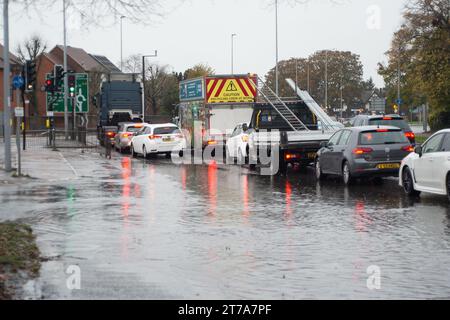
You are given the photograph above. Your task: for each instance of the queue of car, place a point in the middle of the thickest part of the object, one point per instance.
(373, 148)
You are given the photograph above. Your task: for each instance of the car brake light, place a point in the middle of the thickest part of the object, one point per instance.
(359, 151)
(408, 149)
(110, 134)
(387, 118)
(212, 142)
(127, 135)
(410, 135)
(382, 130)
(153, 137)
(290, 156)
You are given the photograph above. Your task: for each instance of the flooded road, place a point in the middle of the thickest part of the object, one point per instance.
(153, 230)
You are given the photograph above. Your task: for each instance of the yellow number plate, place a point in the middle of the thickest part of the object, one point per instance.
(389, 166)
(312, 155)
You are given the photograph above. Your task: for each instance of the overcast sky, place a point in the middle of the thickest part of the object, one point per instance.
(200, 31)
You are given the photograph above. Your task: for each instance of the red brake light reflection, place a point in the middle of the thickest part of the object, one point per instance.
(408, 149)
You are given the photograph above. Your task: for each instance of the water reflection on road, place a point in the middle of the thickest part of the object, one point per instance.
(156, 230)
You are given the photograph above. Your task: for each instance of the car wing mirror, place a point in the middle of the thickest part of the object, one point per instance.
(419, 150)
(245, 127)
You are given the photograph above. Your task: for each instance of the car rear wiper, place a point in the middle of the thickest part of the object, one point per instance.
(390, 142)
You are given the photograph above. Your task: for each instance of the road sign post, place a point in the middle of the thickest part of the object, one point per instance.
(81, 97)
(19, 113)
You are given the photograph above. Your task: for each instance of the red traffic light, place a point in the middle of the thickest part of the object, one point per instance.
(49, 82)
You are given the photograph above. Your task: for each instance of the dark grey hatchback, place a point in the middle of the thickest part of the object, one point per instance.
(371, 151)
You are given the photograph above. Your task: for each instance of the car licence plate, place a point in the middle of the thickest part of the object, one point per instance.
(389, 166)
(167, 139)
(312, 155)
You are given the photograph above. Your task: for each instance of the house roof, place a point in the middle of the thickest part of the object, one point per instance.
(88, 62)
(106, 63)
(14, 60)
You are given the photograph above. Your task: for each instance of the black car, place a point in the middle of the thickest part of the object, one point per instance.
(393, 120)
(371, 151)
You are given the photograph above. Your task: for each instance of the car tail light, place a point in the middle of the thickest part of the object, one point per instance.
(410, 135)
(359, 151)
(290, 156)
(127, 135)
(408, 149)
(212, 142)
(382, 130)
(110, 134)
(153, 137)
(387, 118)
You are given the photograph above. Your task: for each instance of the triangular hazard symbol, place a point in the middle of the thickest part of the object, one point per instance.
(232, 87)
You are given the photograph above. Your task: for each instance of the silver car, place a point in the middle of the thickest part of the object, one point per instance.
(125, 134)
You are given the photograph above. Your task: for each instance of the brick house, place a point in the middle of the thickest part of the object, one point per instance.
(16, 69)
(79, 61)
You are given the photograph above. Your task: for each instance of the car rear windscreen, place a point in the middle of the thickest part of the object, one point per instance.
(133, 129)
(382, 137)
(166, 130)
(398, 123)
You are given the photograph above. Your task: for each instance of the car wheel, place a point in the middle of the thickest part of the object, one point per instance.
(133, 153)
(408, 183)
(346, 174)
(241, 159)
(144, 152)
(448, 186)
(319, 173)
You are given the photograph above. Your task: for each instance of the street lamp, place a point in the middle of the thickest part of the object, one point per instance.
(232, 52)
(276, 47)
(143, 80)
(121, 42)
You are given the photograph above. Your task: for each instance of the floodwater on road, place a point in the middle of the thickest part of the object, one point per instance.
(153, 230)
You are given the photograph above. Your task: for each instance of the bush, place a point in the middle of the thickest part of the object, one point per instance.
(440, 120)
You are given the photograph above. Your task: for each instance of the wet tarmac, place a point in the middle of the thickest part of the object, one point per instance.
(153, 230)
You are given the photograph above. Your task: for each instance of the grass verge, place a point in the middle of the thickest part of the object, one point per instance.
(18, 253)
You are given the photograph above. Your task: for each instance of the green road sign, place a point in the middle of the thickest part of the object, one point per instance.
(81, 96)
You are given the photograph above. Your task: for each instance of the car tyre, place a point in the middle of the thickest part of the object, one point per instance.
(346, 174)
(319, 174)
(144, 152)
(448, 186)
(408, 183)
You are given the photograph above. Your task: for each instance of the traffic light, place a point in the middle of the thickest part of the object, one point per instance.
(58, 73)
(50, 85)
(30, 75)
(72, 83)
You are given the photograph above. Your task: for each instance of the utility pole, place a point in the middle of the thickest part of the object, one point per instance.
(296, 76)
(308, 80)
(66, 70)
(232, 53)
(143, 80)
(276, 48)
(326, 80)
(121, 42)
(399, 96)
(6, 87)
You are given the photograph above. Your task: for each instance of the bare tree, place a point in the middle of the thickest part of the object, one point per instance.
(31, 48)
(133, 64)
(94, 12)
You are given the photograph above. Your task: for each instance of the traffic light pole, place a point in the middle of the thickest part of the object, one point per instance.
(6, 87)
(66, 86)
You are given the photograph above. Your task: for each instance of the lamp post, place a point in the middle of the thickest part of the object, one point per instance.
(66, 70)
(276, 48)
(232, 52)
(143, 80)
(6, 87)
(121, 42)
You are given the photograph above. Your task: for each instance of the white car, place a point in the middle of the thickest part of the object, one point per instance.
(158, 139)
(428, 168)
(238, 142)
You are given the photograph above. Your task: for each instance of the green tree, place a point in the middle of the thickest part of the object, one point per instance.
(343, 69)
(420, 49)
(199, 70)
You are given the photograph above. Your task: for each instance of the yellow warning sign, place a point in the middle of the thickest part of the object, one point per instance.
(230, 90)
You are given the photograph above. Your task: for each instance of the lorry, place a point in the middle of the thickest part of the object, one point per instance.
(297, 128)
(119, 101)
